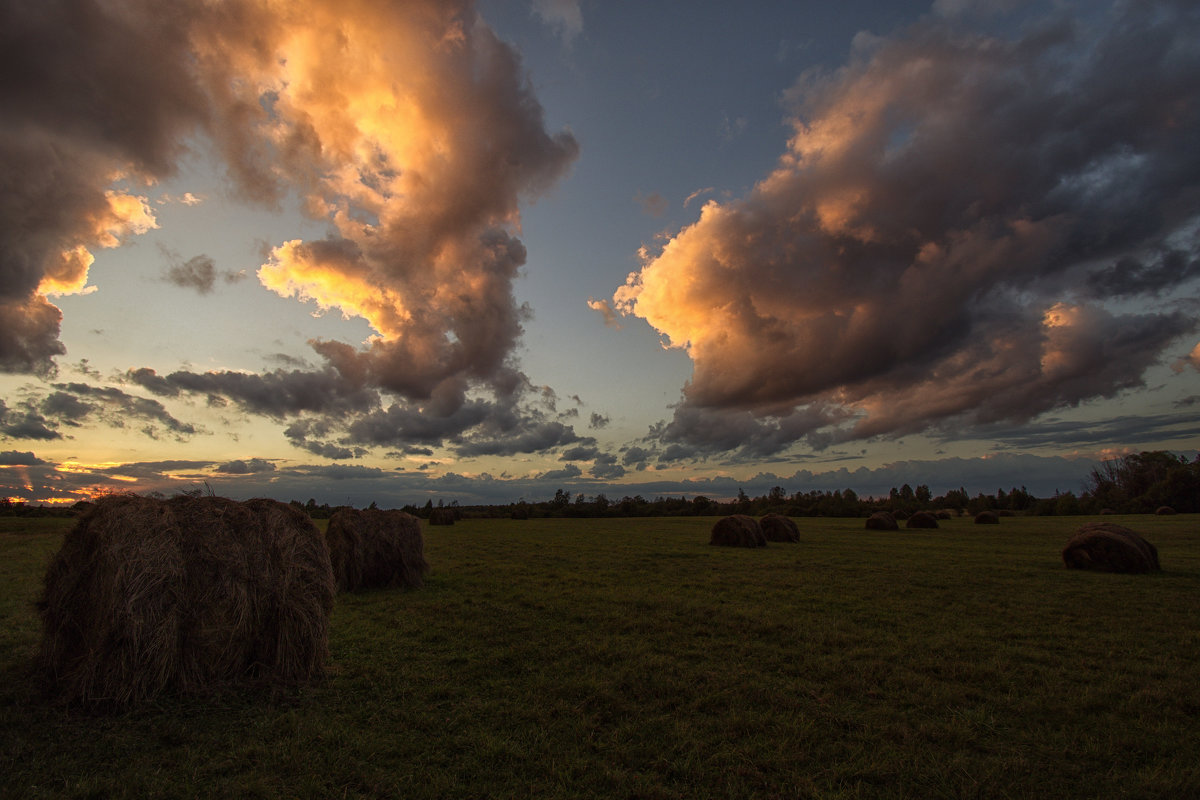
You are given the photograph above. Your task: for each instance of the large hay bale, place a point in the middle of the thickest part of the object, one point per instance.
(148, 597)
(921, 519)
(882, 521)
(987, 518)
(738, 530)
(374, 548)
(778, 528)
(1109, 547)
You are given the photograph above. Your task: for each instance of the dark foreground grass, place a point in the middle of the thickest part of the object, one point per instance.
(627, 658)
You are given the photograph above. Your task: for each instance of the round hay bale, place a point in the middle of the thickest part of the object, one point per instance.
(737, 530)
(1106, 511)
(149, 597)
(441, 516)
(778, 528)
(882, 521)
(374, 548)
(987, 518)
(921, 519)
(1108, 547)
(943, 514)
(1164, 511)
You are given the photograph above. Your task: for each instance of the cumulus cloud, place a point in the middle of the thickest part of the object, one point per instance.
(93, 95)
(939, 241)
(411, 128)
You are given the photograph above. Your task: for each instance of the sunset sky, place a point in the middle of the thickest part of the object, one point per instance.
(359, 250)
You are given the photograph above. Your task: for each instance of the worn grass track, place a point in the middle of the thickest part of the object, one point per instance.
(627, 658)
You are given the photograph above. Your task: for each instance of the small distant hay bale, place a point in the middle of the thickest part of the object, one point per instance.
(778, 528)
(738, 530)
(373, 548)
(150, 597)
(1108, 547)
(987, 518)
(1164, 511)
(943, 514)
(1106, 511)
(882, 521)
(921, 519)
(441, 516)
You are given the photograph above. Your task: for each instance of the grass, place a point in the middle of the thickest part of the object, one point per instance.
(627, 658)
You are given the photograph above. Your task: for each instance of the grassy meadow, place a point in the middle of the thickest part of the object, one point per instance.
(628, 658)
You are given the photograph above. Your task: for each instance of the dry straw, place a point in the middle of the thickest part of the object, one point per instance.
(778, 528)
(737, 530)
(882, 521)
(987, 518)
(1109, 547)
(373, 548)
(921, 519)
(150, 596)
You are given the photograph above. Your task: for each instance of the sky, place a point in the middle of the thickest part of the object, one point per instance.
(366, 251)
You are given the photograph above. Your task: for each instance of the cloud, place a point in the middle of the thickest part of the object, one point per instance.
(411, 128)
(276, 394)
(250, 466)
(93, 95)
(566, 473)
(598, 421)
(653, 204)
(942, 238)
(200, 273)
(696, 195)
(11, 458)
(605, 310)
(43, 416)
(563, 16)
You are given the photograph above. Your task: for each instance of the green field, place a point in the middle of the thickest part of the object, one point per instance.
(627, 658)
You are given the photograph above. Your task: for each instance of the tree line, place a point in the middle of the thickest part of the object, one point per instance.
(1134, 484)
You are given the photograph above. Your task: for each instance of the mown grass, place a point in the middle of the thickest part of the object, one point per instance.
(627, 658)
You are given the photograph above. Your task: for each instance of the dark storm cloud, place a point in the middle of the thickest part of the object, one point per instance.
(940, 240)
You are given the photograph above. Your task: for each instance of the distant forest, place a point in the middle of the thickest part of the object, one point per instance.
(1135, 484)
